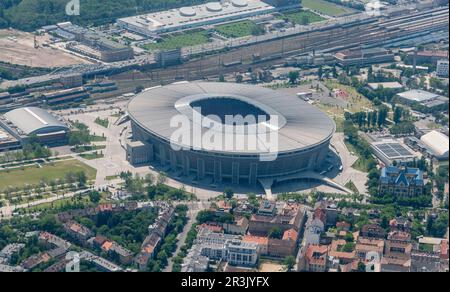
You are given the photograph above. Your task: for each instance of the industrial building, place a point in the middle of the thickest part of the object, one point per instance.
(424, 98)
(94, 44)
(7, 141)
(31, 122)
(152, 24)
(63, 96)
(362, 57)
(303, 132)
(390, 151)
(437, 144)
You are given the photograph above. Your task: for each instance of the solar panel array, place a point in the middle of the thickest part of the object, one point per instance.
(393, 150)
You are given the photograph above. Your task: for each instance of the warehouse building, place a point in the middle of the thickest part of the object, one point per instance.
(389, 151)
(32, 122)
(437, 144)
(95, 44)
(190, 17)
(424, 98)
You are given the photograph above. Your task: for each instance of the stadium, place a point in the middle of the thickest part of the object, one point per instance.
(303, 132)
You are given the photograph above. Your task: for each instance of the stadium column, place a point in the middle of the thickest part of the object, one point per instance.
(173, 160)
(217, 171)
(162, 155)
(253, 174)
(186, 166)
(151, 153)
(200, 169)
(235, 173)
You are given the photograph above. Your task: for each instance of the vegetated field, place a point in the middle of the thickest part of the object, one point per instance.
(33, 175)
(237, 29)
(174, 41)
(327, 8)
(355, 101)
(302, 17)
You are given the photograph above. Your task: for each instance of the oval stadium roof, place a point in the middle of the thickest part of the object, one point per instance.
(34, 121)
(305, 126)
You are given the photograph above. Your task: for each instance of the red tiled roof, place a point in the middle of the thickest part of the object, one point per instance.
(290, 234)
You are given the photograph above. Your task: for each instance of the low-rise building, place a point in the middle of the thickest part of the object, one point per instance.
(424, 98)
(442, 68)
(372, 231)
(239, 226)
(78, 232)
(316, 258)
(364, 57)
(290, 216)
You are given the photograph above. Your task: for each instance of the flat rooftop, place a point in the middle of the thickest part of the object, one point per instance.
(188, 16)
(390, 85)
(393, 150)
(419, 95)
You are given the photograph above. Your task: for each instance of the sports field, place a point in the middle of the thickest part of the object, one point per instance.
(33, 175)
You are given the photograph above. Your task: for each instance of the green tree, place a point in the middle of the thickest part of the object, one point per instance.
(289, 263)
(228, 193)
(293, 76)
(275, 232)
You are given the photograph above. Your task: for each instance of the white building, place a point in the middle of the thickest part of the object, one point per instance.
(442, 68)
(437, 143)
(152, 24)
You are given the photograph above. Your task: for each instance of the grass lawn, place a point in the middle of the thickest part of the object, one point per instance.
(237, 29)
(33, 175)
(180, 40)
(102, 122)
(301, 17)
(91, 156)
(351, 186)
(361, 164)
(327, 8)
(95, 138)
(84, 148)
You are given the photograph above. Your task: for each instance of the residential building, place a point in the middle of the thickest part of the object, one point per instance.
(397, 252)
(290, 216)
(316, 258)
(374, 231)
(366, 246)
(400, 224)
(442, 68)
(262, 241)
(239, 226)
(9, 250)
(78, 232)
(286, 246)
